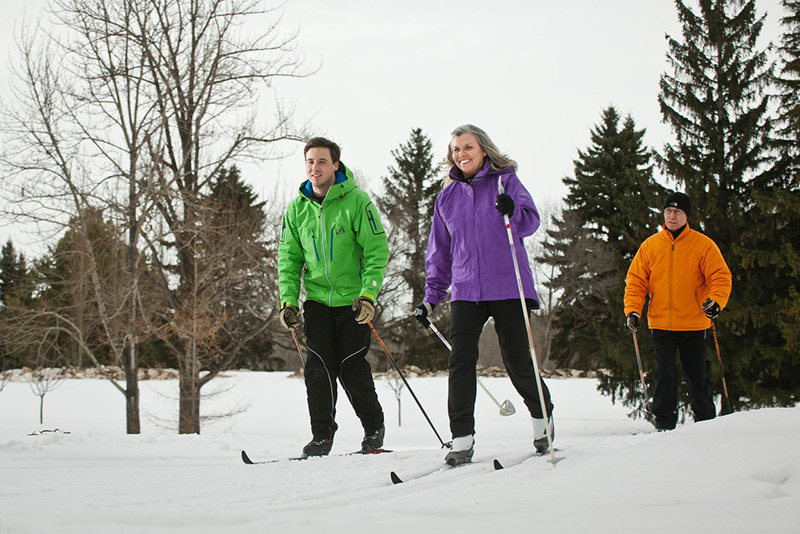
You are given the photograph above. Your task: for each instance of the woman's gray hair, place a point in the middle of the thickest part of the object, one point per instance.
(497, 159)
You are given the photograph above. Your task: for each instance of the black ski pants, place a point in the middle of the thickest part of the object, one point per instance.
(466, 324)
(691, 346)
(337, 349)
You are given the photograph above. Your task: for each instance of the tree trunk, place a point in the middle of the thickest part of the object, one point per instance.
(132, 390)
(189, 403)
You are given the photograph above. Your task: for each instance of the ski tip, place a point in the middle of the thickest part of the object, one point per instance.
(497, 465)
(395, 479)
(246, 459)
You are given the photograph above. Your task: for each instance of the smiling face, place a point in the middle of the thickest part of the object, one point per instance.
(674, 218)
(467, 154)
(321, 170)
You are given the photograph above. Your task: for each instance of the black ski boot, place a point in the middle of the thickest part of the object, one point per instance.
(318, 447)
(373, 440)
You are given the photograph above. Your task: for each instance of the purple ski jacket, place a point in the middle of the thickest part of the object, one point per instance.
(468, 248)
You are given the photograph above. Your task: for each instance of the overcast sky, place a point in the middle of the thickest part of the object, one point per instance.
(534, 74)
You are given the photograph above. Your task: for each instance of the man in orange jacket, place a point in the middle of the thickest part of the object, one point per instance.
(688, 283)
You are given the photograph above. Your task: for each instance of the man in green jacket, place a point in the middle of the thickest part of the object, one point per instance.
(332, 239)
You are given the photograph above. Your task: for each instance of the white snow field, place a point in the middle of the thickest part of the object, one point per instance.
(738, 473)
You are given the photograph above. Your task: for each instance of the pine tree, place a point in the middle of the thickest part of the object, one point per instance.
(236, 264)
(608, 213)
(13, 270)
(788, 83)
(786, 206)
(406, 206)
(716, 102)
(16, 289)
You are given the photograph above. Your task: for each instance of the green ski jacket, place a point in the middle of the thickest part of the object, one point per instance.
(339, 248)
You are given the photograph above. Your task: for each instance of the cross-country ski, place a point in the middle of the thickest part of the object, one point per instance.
(246, 458)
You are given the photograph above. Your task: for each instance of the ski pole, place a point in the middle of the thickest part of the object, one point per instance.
(641, 373)
(726, 401)
(506, 408)
(297, 344)
(397, 368)
(547, 432)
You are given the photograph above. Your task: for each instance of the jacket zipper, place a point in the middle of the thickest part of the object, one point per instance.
(671, 263)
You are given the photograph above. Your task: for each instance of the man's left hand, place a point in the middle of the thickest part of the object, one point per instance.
(364, 309)
(711, 309)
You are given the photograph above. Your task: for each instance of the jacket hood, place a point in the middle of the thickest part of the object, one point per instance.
(344, 179)
(455, 174)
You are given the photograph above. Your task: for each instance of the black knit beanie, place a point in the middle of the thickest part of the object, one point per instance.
(679, 200)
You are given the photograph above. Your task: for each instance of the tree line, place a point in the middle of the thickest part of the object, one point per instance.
(124, 140)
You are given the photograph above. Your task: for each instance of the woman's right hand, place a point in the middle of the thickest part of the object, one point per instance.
(421, 313)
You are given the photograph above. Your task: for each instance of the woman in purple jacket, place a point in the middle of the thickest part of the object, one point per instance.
(468, 253)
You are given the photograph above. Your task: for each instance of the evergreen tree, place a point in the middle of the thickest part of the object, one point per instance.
(785, 204)
(716, 103)
(788, 83)
(15, 290)
(238, 263)
(66, 287)
(715, 99)
(406, 207)
(608, 213)
(13, 270)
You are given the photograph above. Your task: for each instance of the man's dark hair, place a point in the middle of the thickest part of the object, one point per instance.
(321, 142)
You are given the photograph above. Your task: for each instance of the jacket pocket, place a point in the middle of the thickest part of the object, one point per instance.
(314, 241)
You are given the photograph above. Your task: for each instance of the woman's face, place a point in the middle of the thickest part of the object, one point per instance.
(467, 154)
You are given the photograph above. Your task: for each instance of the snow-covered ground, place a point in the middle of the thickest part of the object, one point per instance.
(738, 473)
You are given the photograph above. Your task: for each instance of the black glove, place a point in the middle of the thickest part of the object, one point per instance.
(289, 318)
(421, 313)
(364, 309)
(711, 309)
(632, 321)
(504, 204)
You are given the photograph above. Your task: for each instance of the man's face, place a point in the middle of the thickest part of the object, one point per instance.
(674, 218)
(321, 171)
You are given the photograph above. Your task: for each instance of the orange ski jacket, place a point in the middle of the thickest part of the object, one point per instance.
(677, 275)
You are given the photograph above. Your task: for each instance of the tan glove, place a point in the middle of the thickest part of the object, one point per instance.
(289, 318)
(364, 309)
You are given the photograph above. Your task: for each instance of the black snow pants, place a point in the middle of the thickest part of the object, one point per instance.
(691, 345)
(337, 349)
(466, 323)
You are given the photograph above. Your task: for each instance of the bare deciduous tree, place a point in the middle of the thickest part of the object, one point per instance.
(48, 376)
(202, 72)
(131, 110)
(543, 274)
(65, 164)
